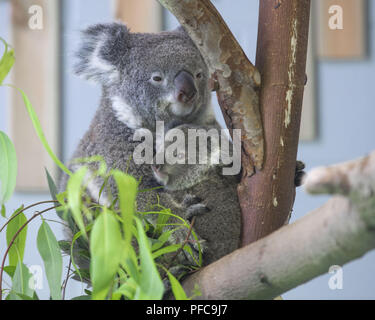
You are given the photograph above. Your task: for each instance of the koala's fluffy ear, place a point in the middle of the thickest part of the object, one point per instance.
(101, 51)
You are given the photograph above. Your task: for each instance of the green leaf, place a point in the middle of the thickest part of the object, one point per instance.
(162, 240)
(6, 62)
(49, 250)
(127, 289)
(150, 284)
(127, 187)
(106, 248)
(21, 282)
(130, 264)
(75, 197)
(177, 289)
(3, 211)
(8, 168)
(10, 270)
(165, 250)
(17, 250)
(38, 129)
(81, 244)
(52, 186)
(162, 220)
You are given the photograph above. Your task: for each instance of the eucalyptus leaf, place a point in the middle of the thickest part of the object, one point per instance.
(6, 62)
(106, 248)
(39, 131)
(52, 186)
(49, 250)
(127, 187)
(165, 250)
(150, 284)
(17, 249)
(10, 270)
(8, 168)
(75, 197)
(21, 282)
(177, 289)
(127, 289)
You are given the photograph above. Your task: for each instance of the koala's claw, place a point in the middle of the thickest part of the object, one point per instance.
(190, 200)
(196, 210)
(299, 173)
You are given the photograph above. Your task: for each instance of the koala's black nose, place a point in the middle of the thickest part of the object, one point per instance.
(185, 89)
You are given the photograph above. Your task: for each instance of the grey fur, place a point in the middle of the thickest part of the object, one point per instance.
(123, 63)
(220, 225)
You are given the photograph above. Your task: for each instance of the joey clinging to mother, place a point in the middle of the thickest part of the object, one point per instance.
(144, 78)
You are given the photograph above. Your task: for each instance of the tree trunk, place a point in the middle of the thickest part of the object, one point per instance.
(267, 197)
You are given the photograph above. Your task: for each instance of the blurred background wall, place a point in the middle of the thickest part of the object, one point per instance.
(344, 102)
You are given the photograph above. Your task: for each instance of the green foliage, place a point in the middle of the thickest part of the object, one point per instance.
(8, 168)
(17, 250)
(6, 62)
(123, 248)
(150, 285)
(49, 250)
(106, 248)
(21, 283)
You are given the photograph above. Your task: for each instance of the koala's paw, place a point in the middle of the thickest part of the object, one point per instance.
(190, 200)
(194, 207)
(300, 166)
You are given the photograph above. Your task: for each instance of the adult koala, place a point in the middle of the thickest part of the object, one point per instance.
(145, 78)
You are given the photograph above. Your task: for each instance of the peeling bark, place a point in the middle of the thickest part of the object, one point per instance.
(294, 254)
(238, 80)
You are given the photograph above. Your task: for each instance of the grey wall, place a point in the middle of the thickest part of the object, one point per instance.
(346, 114)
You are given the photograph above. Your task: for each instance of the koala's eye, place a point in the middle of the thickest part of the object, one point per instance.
(157, 78)
(198, 75)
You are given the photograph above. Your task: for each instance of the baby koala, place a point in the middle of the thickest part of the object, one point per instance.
(209, 195)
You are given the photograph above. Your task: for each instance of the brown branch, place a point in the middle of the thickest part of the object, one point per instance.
(295, 254)
(267, 198)
(238, 80)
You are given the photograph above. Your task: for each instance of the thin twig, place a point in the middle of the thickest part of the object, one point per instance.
(67, 278)
(14, 238)
(184, 243)
(18, 213)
